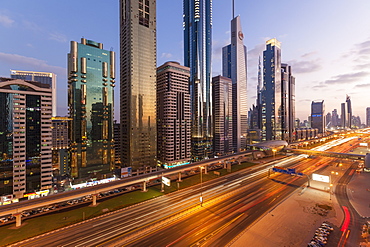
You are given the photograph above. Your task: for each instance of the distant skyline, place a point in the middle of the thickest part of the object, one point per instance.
(326, 42)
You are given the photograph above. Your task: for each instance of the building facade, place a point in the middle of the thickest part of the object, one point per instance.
(25, 137)
(138, 83)
(197, 24)
(271, 93)
(42, 77)
(343, 115)
(222, 115)
(91, 74)
(349, 112)
(287, 112)
(367, 116)
(317, 116)
(173, 115)
(117, 143)
(234, 63)
(60, 145)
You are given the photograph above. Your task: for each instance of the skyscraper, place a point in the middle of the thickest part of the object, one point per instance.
(25, 137)
(349, 112)
(43, 77)
(222, 115)
(368, 117)
(234, 58)
(91, 74)
(271, 93)
(138, 83)
(317, 116)
(287, 102)
(334, 118)
(173, 115)
(343, 115)
(197, 25)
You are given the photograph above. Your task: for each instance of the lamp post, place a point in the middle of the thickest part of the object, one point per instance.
(201, 184)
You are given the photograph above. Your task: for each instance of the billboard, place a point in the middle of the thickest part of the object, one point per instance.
(126, 172)
(166, 181)
(320, 178)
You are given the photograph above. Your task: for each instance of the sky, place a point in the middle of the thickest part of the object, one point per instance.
(327, 43)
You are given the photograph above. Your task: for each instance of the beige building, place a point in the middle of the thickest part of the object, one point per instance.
(173, 115)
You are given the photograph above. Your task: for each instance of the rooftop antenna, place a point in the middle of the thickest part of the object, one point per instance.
(233, 9)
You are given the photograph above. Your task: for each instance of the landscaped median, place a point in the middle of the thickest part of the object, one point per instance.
(62, 217)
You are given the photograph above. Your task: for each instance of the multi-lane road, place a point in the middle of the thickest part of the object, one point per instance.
(230, 205)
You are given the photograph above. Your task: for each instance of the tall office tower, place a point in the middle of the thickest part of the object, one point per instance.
(91, 73)
(222, 115)
(343, 115)
(259, 97)
(117, 143)
(60, 145)
(334, 118)
(234, 63)
(328, 120)
(271, 93)
(349, 112)
(197, 24)
(287, 102)
(173, 115)
(368, 117)
(317, 116)
(25, 137)
(138, 83)
(43, 77)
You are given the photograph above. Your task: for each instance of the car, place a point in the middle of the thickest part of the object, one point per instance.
(70, 202)
(3, 220)
(25, 214)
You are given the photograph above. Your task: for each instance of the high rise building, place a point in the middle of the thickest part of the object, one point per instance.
(328, 120)
(25, 137)
(287, 111)
(91, 74)
(234, 58)
(271, 93)
(60, 145)
(222, 115)
(368, 117)
(349, 112)
(117, 143)
(173, 115)
(197, 23)
(317, 116)
(334, 118)
(343, 116)
(43, 77)
(138, 83)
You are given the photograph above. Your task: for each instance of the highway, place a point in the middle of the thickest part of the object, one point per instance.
(230, 205)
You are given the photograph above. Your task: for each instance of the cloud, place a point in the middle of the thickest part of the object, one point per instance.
(347, 78)
(360, 54)
(31, 26)
(6, 21)
(309, 54)
(166, 55)
(362, 85)
(58, 37)
(300, 67)
(319, 87)
(29, 63)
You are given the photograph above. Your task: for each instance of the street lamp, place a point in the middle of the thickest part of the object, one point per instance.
(201, 188)
(273, 152)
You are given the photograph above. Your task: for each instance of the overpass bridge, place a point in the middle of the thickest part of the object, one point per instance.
(17, 208)
(325, 153)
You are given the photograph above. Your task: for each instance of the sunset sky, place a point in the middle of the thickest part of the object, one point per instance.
(327, 43)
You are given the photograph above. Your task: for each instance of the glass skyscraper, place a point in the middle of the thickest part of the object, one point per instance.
(317, 116)
(197, 24)
(91, 74)
(138, 83)
(271, 92)
(234, 63)
(43, 77)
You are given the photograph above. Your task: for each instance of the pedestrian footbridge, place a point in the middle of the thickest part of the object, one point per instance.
(327, 154)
